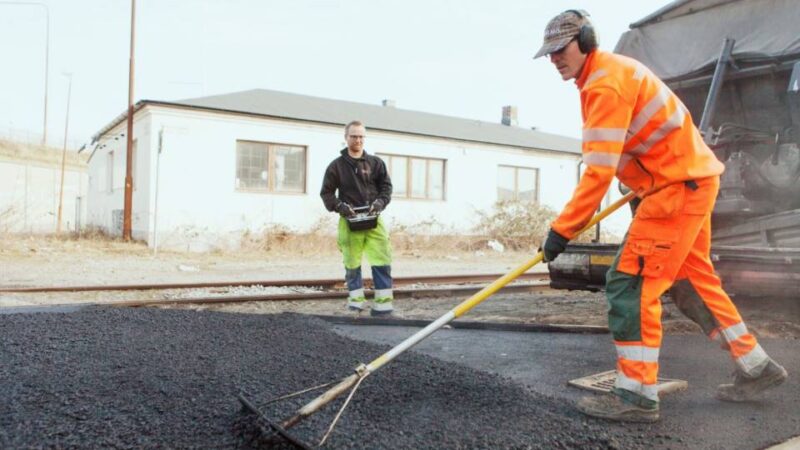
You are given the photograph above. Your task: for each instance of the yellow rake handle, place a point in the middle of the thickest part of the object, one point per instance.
(484, 293)
(498, 284)
(364, 370)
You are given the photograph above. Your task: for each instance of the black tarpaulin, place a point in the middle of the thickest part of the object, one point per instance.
(685, 38)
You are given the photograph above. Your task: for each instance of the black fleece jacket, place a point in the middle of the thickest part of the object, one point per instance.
(359, 181)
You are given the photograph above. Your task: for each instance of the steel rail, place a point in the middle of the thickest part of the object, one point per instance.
(303, 296)
(331, 295)
(325, 283)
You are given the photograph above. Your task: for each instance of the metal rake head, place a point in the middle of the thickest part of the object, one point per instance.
(271, 431)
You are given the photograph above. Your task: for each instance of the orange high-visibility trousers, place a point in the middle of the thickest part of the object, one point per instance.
(669, 241)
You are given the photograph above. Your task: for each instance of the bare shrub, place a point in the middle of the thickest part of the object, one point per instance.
(523, 225)
(516, 224)
(94, 233)
(432, 237)
(280, 239)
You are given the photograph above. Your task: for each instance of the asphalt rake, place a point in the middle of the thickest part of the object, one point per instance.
(273, 431)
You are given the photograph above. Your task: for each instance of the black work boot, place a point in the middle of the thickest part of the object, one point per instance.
(613, 407)
(745, 388)
(382, 307)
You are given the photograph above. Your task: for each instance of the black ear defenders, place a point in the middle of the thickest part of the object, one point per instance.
(587, 38)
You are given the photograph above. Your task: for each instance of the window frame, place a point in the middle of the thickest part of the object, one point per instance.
(270, 188)
(410, 176)
(537, 185)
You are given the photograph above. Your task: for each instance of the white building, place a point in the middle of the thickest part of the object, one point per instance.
(31, 189)
(208, 169)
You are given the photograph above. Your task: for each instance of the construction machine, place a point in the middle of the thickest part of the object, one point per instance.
(735, 64)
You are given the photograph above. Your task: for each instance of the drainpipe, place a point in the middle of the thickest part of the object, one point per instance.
(155, 207)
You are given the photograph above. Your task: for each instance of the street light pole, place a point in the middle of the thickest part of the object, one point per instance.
(64, 157)
(46, 58)
(128, 205)
(47, 73)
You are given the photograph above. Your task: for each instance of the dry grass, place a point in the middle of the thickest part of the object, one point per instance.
(425, 238)
(282, 240)
(274, 242)
(517, 226)
(88, 243)
(38, 153)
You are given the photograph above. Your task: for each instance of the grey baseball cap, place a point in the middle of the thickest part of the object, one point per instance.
(560, 31)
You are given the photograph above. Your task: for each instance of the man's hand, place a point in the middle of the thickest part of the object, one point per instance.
(376, 207)
(345, 209)
(553, 245)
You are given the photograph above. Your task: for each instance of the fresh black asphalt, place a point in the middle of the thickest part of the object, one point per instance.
(544, 362)
(146, 378)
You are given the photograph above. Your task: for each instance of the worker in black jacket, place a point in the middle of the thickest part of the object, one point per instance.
(362, 181)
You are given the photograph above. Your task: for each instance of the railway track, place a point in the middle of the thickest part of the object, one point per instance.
(323, 283)
(329, 289)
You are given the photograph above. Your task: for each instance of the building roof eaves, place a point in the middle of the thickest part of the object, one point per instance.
(380, 118)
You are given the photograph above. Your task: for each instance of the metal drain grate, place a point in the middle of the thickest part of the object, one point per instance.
(604, 381)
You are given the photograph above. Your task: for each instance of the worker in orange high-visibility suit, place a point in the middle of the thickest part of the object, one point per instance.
(634, 127)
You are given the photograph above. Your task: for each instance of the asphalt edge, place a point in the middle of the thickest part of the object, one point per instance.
(465, 325)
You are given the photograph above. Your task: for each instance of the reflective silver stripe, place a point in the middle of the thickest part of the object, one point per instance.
(383, 293)
(650, 109)
(752, 360)
(640, 71)
(638, 353)
(649, 391)
(673, 123)
(385, 306)
(358, 293)
(604, 135)
(734, 332)
(595, 75)
(601, 159)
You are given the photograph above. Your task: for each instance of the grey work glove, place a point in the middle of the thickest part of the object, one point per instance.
(345, 210)
(376, 207)
(553, 245)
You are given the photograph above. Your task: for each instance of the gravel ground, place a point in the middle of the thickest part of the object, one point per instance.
(52, 262)
(148, 378)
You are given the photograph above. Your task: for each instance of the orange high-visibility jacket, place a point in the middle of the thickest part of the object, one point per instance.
(634, 127)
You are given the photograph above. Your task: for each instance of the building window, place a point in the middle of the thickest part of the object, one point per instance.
(518, 183)
(415, 178)
(268, 167)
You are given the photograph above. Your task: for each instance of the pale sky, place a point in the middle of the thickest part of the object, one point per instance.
(465, 58)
